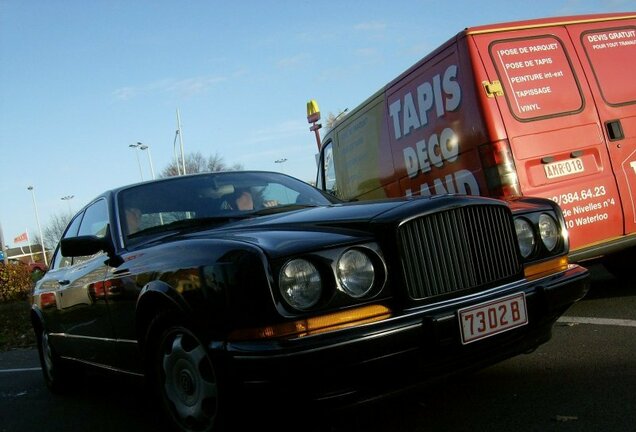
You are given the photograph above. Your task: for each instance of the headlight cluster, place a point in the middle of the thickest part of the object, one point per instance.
(302, 286)
(530, 232)
(355, 273)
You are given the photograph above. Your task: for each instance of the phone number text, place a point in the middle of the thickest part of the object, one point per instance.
(582, 195)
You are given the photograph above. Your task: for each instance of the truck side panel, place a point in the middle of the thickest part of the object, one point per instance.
(357, 146)
(435, 126)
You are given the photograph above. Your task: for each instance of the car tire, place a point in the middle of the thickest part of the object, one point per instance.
(186, 381)
(56, 373)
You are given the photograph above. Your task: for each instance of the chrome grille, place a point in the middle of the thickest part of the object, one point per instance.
(458, 249)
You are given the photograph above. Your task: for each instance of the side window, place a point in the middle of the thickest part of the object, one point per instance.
(95, 223)
(537, 77)
(328, 184)
(59, 260)
(603, 49)
(95, 220)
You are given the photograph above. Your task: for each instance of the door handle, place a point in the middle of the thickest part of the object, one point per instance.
(64, 282)
(614, 130)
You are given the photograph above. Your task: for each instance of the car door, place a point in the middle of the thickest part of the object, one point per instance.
(607, 51)
(51, 287)
(84, 318)
(554, 129)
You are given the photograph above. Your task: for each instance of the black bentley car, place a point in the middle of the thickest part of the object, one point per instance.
(218, 285)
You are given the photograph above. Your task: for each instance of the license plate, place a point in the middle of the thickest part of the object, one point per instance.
(493, 317)
(564, 168)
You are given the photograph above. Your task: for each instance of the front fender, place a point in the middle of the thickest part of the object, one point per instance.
(157, 299)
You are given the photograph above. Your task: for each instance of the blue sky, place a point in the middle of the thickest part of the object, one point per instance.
(81, 80)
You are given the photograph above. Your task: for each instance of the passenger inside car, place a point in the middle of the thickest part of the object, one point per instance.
(242, 199)
(133, 219)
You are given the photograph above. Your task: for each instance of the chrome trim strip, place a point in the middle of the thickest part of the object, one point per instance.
(103, 366)
(72, 336)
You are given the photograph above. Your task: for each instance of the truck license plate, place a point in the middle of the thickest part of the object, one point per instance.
(493, 317)
(564, 168)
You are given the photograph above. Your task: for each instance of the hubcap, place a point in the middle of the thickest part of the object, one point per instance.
(190, 383)
(187, 384)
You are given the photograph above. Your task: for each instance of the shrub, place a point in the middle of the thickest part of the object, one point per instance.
(15, 326)
(15, 282)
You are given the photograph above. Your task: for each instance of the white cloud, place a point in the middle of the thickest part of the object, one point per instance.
(370, 26)
(278, 132)
(367, 52)
(193, 86)
(294, 61)
(187, 87)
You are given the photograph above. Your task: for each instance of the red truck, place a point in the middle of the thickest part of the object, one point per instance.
(537, 108)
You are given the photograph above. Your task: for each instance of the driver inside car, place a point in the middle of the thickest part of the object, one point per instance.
(242, 199)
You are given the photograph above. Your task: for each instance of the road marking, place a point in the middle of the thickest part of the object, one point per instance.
(598, 321)
(20, 370)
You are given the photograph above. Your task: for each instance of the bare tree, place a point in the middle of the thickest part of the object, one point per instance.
(331, 119)
(197, 163)
(216, 163)
(55, 228)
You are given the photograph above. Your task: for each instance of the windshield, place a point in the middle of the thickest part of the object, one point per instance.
(206, 199)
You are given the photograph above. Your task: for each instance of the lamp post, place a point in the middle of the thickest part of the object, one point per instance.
(147, 147)
(68, 199)
(37, 219)
(135, 146)
(183, 163)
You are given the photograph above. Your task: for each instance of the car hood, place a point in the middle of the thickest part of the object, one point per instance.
(323, 227)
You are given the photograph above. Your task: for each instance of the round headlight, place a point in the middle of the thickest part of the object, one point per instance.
(525, 237)
(549, 231)
(355, 273)
(299, 283)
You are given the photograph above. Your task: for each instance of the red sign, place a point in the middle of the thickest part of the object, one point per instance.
(21, 238)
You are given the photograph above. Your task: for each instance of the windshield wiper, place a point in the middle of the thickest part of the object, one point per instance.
(281, 209)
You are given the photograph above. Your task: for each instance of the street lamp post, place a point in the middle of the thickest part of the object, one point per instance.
(135, 146)
(147, 147)
(68, 199)
(183, 163)
(37, 219)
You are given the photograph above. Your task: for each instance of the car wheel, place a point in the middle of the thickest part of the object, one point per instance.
(55, 373)
(186, 380)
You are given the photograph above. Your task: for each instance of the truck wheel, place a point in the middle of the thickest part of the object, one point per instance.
(186, 381)
(621, 264)
(56, 374)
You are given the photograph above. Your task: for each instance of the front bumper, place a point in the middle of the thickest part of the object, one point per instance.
(414, 347)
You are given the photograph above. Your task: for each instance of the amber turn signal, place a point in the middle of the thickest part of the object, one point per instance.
(317, 324)
(534, 271)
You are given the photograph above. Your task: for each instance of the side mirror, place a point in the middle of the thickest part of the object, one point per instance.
(85, 245)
